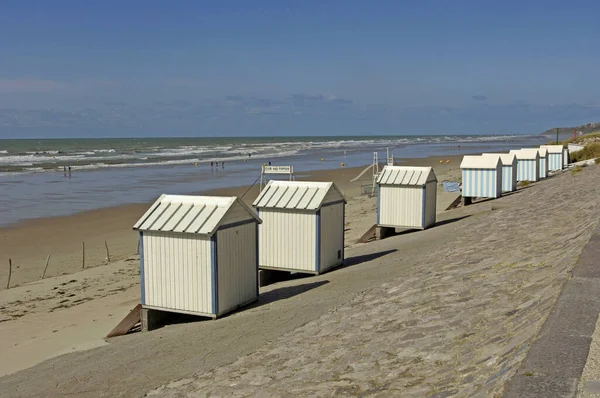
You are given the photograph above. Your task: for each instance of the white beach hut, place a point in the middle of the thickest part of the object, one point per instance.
(303, 226)
(575, 147)
(198, 255)
(527, 165)
(543, 161)
(481, 176)
(509, 170)
(406, 197)
(555, 157)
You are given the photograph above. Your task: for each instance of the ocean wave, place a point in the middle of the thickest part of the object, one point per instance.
(15, 160)
(174, 162)
(90, 158)
(43, 152)
(3, 152)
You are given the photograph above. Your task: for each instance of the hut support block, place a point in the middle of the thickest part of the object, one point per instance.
(467, 201)
(152, 319)
(384, 232)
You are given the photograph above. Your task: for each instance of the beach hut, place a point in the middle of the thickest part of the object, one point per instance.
(198, 255)
(566, 159)
(555, 157)
(509, 170)
(406, 197)
(303, 226)
(527, 165)
(575, 147)
(481, 176)
(543, 161)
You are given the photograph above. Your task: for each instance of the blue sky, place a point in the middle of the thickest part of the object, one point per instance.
(156, 68)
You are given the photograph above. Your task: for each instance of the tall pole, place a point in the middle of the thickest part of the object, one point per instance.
(557, 136)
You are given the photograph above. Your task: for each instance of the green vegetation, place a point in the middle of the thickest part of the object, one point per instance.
(525, 183)
(597, 161)
(577, 169)
(590, 151)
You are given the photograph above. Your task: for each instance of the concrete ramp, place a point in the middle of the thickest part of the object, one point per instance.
(368, 236)
(128, 323)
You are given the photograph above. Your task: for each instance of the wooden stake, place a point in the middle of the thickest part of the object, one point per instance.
(107, 253)
(138, 249)
(46, 267)
(9, 272)
(83, 257)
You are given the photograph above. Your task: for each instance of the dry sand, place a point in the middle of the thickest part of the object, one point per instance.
(446, 311)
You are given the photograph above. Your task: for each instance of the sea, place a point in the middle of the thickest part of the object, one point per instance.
(56, 177)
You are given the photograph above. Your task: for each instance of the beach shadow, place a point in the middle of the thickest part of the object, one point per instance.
(283, 293)
(268, 277)
(511, 193)
(286, 292)
(449, 221)
(437, 224)
(356, 260)
(484, 200)
(175, 318)
(401, 232)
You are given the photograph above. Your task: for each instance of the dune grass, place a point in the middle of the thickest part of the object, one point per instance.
(590, 151)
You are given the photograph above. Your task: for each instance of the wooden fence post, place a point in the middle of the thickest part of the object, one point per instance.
(107, 252)
(46, 267)
(9, 273)
(83, 256)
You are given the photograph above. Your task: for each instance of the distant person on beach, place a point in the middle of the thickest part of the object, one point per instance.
(223, 164)
(269, 162)
(249, 155)
(212, 165)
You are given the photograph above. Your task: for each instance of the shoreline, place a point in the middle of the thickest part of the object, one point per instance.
(40, 195)
(47, 155)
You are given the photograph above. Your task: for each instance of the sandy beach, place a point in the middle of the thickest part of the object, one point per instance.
(74, 308)
(30, 242)
(473, 290)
